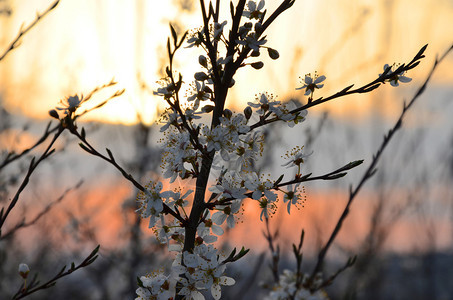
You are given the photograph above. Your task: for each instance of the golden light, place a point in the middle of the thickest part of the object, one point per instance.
(84, 44)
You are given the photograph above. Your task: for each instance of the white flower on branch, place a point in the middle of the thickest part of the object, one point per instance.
(310, 83)
(170, 117)
(254, 11)
(195, 38)
(178, 151)
(167, 89)
(189, 290)
(267, 208)
(287, 288)
(265, 102)
(227, 212)
(199, 91)
(203, 270)
(293, 196)
(292, 118)
(176, 199)
(70, 104)
(252, 41)
(205, 228)
(151, 202)
(396, 77)
(215, 140)
(155, 286)
(259, 188)
(248, 150)
(218, 30)
(295, 158)
(234, 126)
(229, 187)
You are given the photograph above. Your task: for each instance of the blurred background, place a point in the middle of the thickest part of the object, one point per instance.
(400, 226)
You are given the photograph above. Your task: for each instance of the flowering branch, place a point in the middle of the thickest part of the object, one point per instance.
(387, 76)
(10, 157)
(371, 170)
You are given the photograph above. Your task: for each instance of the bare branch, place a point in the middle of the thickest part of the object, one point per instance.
(34, 287)
(16, 42)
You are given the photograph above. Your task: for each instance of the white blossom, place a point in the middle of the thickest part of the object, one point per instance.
(151, 202)
(310, 83)
(252, 42)
(227, 212)
(396, 77)
(259, 188)
(70, 104)
(155, 286)
(229, 187)
(286, 288)
(265, 102)
(254, 11)
(234, 126)
(178, 150)
(203, 270)
(295, 158)
(292, 196)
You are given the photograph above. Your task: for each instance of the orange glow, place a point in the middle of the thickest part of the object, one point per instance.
(102, 205)
(84, 44)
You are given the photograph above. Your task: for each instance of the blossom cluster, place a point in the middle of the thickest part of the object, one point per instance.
(234, 144)
(238, 148)
(288, 287)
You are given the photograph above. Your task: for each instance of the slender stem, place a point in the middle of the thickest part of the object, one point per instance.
(16, 42)
(31, 169)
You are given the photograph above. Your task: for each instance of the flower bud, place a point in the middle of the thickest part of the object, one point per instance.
(255, 53)
(207, 89)
(207, 108)
(24, 270)
(227, 113)
(273, 53)
(203, 61)
(53, 113)
(257, 65)
(201, 76)
(258, 26)
(248, 25)
(248, 112)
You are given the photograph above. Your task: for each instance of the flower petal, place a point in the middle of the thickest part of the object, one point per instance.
(216, 291)
(320, 79)
(404, 78)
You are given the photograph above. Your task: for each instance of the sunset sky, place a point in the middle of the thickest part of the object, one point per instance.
(83, 44)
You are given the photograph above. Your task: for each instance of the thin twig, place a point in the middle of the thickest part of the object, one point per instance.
(24, 224)
(16, 42)
(49, 151)
(33, 287)
(85, 145)
(275, 253)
